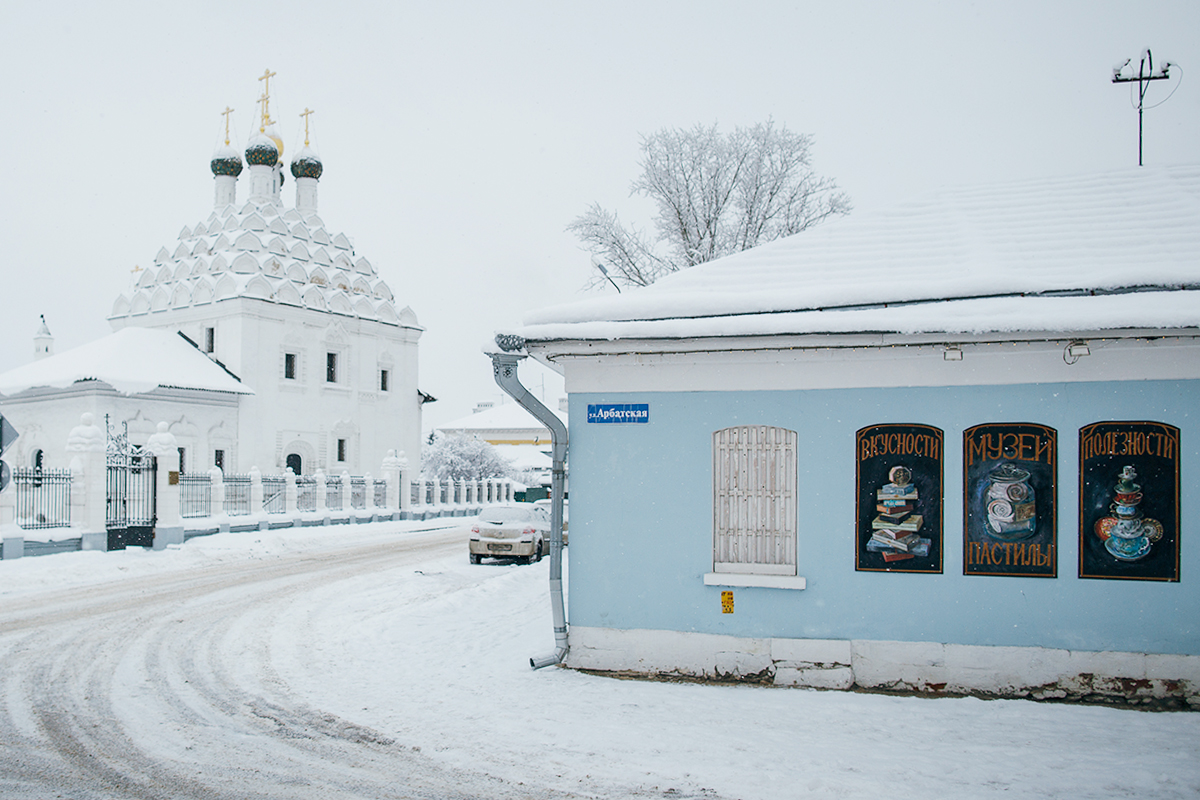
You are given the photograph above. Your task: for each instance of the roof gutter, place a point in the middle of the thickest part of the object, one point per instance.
(504, 370)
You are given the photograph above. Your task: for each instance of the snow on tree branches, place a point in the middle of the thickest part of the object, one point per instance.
(461, 457)
(716, 194)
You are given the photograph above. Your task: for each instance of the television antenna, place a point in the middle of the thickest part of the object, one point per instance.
(1144, 75)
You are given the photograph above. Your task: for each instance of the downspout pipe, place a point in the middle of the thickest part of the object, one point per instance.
(504, 370)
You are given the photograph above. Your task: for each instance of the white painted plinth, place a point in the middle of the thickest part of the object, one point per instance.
(928, 667)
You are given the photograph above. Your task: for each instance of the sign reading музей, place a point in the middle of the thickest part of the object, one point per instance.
(1009, 517)
(899, 498)
(1129, 501)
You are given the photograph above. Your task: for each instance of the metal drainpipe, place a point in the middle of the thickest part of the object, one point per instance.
(504, 369)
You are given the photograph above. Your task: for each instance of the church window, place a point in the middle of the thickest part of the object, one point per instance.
(210, 340)
(289, 366)
(182, 459)
(341, 450)
(219, 459)
(331, 373)
(383, 380)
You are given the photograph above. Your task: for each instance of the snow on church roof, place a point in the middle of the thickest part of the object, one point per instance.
(1116, 250)
(131, 361)
(261, 250)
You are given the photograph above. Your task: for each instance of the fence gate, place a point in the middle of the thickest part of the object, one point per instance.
(131, 505)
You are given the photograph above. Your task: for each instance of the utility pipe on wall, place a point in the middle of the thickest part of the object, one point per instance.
(504, 370)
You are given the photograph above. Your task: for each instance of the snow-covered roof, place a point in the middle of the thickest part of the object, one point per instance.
(506, 416)
(131, 361)
(261, 250)
(1115, 250)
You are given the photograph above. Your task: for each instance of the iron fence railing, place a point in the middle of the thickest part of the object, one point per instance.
(43, 497)
(333, 492)
(274, 494)
(358, 493)
(237, 494)
(195, 495)
(306, 493)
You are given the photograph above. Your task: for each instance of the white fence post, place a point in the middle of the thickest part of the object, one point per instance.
(368, 492)
(87, 443)
(168, 529)
(319, 491)
(289, 492)
(216, 492)
(347, 495)
(256, 492)
(405, 483)
(391, 474)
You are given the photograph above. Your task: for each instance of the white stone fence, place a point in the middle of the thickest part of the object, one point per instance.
(211, 502)
(214, 495)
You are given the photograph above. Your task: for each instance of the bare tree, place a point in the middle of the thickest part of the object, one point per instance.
(715, 194)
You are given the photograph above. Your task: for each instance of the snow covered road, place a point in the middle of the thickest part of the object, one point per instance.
(375, 662)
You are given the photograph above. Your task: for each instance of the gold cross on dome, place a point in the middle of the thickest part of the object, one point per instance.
(136, 268)
(266, 99)
(307, 112)
(226, 114)
(266, 114)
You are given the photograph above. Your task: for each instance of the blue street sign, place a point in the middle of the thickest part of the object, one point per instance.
(618, 412)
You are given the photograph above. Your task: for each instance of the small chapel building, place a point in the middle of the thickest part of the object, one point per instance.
(305, 361)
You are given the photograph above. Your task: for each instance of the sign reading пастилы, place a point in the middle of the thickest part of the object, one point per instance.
(618, 412)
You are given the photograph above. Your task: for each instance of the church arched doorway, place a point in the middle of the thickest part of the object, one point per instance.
(294, 463)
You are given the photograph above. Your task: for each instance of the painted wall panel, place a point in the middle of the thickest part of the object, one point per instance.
(641, 533)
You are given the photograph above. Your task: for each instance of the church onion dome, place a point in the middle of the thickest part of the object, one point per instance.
(307, 164)
(226, 161)
(262, 151)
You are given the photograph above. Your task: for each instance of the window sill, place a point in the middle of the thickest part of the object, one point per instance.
(761, 581)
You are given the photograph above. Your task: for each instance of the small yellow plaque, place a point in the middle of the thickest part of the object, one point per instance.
(727, 602)
(172, 478)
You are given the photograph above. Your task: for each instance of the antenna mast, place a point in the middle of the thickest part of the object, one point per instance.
(1144, 75)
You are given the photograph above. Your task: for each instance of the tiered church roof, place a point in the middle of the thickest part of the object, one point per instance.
(260, 250)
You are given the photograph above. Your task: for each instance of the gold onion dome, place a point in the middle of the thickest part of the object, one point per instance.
(307, 164)
(262, 151)
(226, 161)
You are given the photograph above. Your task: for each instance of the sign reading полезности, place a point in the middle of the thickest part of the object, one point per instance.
(618, 412)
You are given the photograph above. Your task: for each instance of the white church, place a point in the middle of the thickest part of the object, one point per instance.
(295, 352)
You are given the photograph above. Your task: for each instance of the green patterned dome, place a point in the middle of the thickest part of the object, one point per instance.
(227, 165)
(226, 160)
(262, 151)
(307, 165)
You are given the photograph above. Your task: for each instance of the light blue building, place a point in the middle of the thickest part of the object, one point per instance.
(953, 447)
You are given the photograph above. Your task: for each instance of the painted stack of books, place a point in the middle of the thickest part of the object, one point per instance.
(894, 531)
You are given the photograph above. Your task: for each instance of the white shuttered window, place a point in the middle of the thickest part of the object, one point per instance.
(754, 500)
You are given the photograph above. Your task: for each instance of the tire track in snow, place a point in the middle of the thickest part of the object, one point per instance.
(162, 687)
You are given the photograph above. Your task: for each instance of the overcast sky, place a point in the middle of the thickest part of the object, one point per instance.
(460, 139)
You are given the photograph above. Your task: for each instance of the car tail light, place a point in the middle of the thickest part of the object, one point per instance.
(527, 532)
(474, 529)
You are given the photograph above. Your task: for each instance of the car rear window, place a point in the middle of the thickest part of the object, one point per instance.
(499, 515)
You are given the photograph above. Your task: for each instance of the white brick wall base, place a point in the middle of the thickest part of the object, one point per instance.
(1036, 672)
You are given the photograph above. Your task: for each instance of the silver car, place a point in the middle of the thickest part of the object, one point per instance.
(510, 530)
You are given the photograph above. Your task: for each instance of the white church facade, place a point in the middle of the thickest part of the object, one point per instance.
(308, 362)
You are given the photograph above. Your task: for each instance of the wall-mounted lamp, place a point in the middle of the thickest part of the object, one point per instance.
(952, 352)
(1075, 351)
